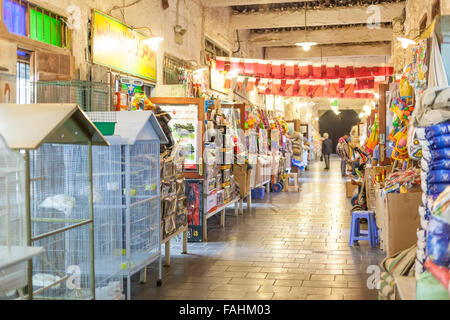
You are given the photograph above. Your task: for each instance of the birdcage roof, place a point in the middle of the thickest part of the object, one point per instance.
(133, 126)
(27, 126)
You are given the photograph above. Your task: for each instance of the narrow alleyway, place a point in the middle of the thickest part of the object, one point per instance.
(292, 246)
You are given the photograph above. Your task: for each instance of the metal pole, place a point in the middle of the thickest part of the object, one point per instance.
(91, 215)
(128, 218)
(28, 215)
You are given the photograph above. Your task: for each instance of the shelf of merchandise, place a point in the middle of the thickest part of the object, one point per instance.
(222, 217)
(166, 242)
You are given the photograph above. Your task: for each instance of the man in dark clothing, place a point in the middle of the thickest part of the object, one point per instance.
(327, 149)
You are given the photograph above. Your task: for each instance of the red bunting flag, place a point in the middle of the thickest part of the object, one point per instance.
(250, 84)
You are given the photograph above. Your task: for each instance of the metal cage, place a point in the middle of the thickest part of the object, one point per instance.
(60, 209)
(126, 180)
(56, 143)
(90, 96)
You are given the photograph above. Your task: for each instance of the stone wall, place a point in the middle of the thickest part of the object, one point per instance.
(191, 15)
(414, 12)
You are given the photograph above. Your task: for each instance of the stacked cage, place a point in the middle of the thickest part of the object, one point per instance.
(126, 182)
(108, 237)
(12, 221)
(56, 143)
(61, 221)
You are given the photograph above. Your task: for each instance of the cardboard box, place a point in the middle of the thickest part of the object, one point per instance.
(242, 176)
(398, 217)
(351, 189)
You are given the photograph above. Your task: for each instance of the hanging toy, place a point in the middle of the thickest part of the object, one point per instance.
(400, 151)
(372, 142)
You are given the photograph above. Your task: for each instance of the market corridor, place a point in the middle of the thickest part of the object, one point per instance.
(292, 246)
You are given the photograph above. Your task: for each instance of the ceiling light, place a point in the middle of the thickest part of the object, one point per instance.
(151, 41)
(306, 45)
(406, 42)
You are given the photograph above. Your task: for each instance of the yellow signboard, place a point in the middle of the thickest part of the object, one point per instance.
(119, 47)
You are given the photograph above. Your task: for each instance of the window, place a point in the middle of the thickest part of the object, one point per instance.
(23, 91)
(25, 19)
(14, 16)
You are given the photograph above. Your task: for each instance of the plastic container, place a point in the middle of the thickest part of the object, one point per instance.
(258, 193)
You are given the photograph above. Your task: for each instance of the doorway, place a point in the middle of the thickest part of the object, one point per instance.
(339, 125)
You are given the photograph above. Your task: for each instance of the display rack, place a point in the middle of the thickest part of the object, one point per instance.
(221, 209)
(57, 141)
(126, 184)
(239, 124)
(188, 127)
(173, 199)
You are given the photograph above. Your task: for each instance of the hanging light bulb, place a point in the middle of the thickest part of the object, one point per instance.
(306, 45)
(153, 42)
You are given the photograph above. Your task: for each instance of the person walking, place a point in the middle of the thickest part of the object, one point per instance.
(327, 149)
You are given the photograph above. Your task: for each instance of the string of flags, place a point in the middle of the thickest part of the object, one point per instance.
(360, 88)
(290, 78)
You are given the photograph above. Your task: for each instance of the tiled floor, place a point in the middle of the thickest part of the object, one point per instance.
(292, 246)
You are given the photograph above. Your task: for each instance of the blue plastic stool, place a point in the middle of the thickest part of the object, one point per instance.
(357, 234)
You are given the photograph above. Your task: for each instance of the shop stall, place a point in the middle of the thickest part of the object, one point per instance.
(411, 199)
(210, 187)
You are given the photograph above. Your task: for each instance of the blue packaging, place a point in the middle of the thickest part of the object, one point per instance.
(437, 130)
(436, 155)
(438, 241)
(436, 188)
(438, 176)
(439, 142)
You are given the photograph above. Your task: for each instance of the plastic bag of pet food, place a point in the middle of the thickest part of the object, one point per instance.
(436, 155)
(437, 130)
(438, 176)
(435, 188)
(438, 241)
(443, 164)
(439, 142)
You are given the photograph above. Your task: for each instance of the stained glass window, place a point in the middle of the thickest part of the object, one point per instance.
(14, 16)
(43, 25)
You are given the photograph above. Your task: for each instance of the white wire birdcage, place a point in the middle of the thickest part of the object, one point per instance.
(12, 219)
(58, 195)
(60, 199)
(126, 178)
